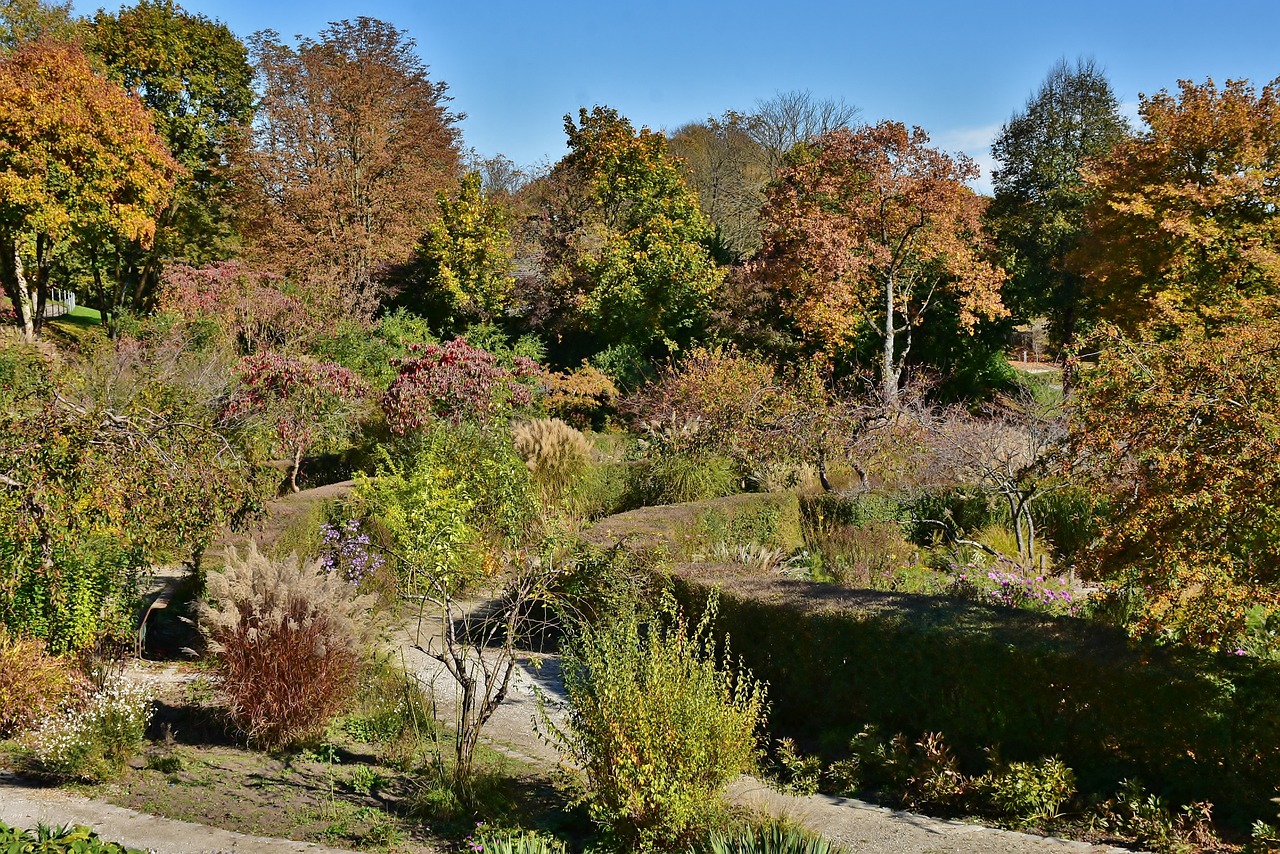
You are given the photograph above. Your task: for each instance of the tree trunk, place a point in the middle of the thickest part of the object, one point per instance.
(293, 474)
(889, 378)
(17, 289)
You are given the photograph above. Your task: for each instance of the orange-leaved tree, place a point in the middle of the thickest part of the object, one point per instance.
(865, 229)
(1182, 435)
(1186, 216)
(80, 165)
(351, 142)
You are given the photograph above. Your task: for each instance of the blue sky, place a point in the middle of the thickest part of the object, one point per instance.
(959, 70)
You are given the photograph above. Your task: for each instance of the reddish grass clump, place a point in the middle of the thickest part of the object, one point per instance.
(288, 638)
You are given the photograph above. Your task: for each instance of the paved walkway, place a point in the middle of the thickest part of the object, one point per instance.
(26, 806)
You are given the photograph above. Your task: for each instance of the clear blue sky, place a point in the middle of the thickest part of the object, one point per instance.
(958, 70)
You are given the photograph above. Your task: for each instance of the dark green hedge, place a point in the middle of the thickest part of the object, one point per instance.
(1190, 726)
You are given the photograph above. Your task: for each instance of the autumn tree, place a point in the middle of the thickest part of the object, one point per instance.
(624, 263)
(728, 170)
(1185, 217)
(866, 230)
(351, 142)
(782, 122)
(24, 21)
(194, 76)
(1037, 216)
(80, 167)
(1181, 434)
(462, 272)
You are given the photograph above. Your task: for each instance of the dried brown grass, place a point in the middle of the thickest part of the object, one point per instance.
(557, 455)
(33, 684)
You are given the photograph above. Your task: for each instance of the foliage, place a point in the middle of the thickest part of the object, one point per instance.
(863, 228)
(728, 171)
(454, 382)
(287, 638)
(462, 272)
(557, 455)
(622, 245)
(772, 838)
(1181, 436)
(1184, 216)
(254, 310)
(57, 117)
(390, 710)
(1031, 793)
(1143, 817)
(1037, 216)
(24, 21)
(488, 840)
(584, 397)
(66, 839)
(668, 475)
(461, 494)
(351, 142)
(658, 723)
(109, 468)
(193, 75)
(94, 742)
(34, 685)
(1202, 725)
(308, 404)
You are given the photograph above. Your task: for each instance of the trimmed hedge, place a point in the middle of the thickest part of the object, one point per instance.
(1190, 726)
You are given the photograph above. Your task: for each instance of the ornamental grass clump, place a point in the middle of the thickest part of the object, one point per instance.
(95, 741)
(557, 455)
(287, 637)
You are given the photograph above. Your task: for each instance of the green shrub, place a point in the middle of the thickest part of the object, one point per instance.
(67, 839)
(94, 742)
(1032, 793)
(658, 723)
(671, 477)
(946, 513)
(1070, 519)
(772, 838)
(390, 710)
(456, 495)
(287, 638)
(1202, 725)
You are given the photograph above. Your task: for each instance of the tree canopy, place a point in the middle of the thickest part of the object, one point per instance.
(1185, 217)
(1037, 216)
(194, 76)
(56, 115)
(624, 239)
(865, 230)
(351, 143)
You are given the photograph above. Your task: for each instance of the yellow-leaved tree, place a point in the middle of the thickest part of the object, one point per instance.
(80, 166)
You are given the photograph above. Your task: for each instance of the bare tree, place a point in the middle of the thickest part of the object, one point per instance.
(795, 116)
(1006, 449)
(476, 635)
